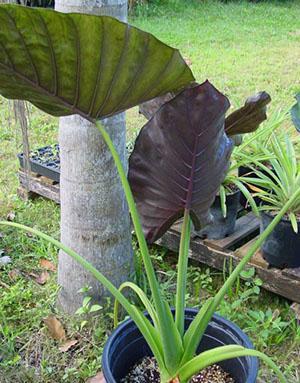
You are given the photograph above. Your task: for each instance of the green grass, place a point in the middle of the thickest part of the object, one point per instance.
(242, 48)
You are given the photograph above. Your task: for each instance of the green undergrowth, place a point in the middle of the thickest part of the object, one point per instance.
(242, 48)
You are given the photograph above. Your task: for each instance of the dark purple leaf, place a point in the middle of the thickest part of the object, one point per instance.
(180, 159)
(149, 108)
(248, 118)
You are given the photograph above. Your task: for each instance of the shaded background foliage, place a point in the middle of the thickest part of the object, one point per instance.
(37, 3)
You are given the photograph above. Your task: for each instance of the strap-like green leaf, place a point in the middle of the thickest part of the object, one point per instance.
(172, 346)
(218, 354)
(94, 66)
(247, 195)
(140, 293)
(194, 333)
(149, 332)
(152, 337)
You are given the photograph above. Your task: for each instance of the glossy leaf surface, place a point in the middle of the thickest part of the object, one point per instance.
(94, 66)
(248, 118)
(180, 159)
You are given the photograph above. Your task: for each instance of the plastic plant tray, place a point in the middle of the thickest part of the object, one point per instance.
(44, 161)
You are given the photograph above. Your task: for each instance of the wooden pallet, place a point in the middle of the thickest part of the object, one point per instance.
(228, 252)
(37, 185)
(222, 253)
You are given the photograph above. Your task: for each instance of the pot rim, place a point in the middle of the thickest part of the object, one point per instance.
(283, 219)
(226, 323)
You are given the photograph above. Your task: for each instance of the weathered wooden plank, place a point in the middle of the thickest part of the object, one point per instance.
(273, 279)
(38, 186)
(257, 259)
(245, 226)
(47, 181)
(292, 273)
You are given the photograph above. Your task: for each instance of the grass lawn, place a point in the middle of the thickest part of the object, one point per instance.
(241, 48)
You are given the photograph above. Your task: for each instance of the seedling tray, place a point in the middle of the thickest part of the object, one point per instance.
(44, 161)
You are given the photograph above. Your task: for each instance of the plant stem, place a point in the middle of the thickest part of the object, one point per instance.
(135, 219)
(172, 345)
(182, 271)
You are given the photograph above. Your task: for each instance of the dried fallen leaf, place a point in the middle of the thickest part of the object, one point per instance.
(296, 309)
(67, 345)
(254, 188)
(47, 265)
(14, 274)
(11, 216)
(99, 378)
(42, 278)
(55, 327)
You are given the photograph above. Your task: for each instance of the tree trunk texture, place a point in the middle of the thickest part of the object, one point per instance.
(94, 214)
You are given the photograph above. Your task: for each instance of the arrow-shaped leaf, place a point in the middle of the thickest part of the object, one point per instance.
(94, 66)
(248, 118)
(180, 159)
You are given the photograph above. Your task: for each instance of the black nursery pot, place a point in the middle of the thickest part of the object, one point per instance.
(126, 346)
(221, 227)
(282, 248)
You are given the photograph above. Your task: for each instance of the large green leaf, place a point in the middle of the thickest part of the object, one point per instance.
(94, 66)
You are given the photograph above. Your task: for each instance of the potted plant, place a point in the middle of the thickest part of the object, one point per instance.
(175, 340)
(179, 161)
(255, 148)
(226, 205)
(274, 185)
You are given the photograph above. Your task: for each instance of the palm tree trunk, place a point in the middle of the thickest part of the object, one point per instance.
(94, 213)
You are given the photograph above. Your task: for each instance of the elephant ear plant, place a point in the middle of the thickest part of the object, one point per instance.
(65, 70)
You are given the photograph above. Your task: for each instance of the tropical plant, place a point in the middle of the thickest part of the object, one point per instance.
(94, 67)
(173, 348)
(234, 182)
(244, 120)
(179, 161)
(276, 181)
(256, 144)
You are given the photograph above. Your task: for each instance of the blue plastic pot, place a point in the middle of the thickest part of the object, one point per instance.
(126, 346)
